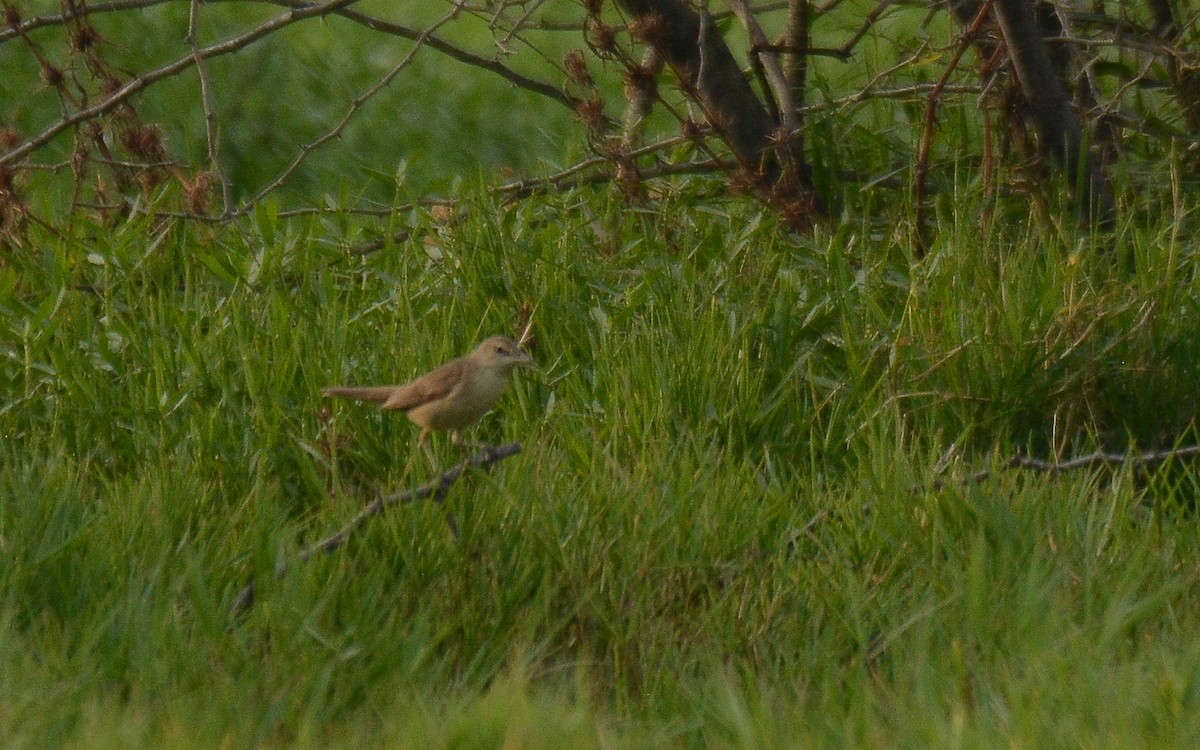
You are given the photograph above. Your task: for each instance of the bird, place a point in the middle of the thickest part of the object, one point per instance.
(451, 397)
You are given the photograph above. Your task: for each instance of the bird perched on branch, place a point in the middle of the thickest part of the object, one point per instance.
(451, 397)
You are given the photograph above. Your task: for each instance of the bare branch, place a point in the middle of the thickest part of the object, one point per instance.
(641, 91)
(693, 47)
(867, 23)
(574, 176)
(798, 37)
(210, 115)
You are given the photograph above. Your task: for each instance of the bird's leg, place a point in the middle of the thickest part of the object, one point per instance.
(424, 441)
(440, 494)
(457, 438)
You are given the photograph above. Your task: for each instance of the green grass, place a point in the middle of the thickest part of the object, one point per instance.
(723, 530)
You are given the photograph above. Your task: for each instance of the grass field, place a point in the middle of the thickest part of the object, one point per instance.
(739, 520)
(744, 515)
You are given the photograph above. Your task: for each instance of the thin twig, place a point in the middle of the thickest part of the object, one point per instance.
(572, 177)
(339, 127)
(910, 91)
(1099, 458)
(436, 489)
(848, 46)
(210, 115)
(566, 180)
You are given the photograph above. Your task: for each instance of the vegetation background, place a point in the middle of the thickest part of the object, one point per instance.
(746, 513)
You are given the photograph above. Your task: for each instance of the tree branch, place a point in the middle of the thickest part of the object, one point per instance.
(210, 115)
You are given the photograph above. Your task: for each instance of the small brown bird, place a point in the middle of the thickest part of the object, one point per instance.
(452, 397)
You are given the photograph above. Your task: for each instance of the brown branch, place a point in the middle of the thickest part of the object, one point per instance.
(577, 175)
(921, 171)
(298, 10)
(641, 91)
(899, 92)
(435, 489)
(769, 60)
(569, 178)
(526, 188)
(515, 25)
(867, 23)
(803, 50)
(210, 114)
(376, 24)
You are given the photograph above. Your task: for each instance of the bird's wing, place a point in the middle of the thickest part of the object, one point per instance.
(430, 387)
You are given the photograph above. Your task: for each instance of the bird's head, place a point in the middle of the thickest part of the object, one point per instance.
(502, 352)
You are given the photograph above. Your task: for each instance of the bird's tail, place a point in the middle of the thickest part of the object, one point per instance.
(376, 393)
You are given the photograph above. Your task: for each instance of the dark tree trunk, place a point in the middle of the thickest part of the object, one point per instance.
(1059, 130)
(797, 38)
(694, 49)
